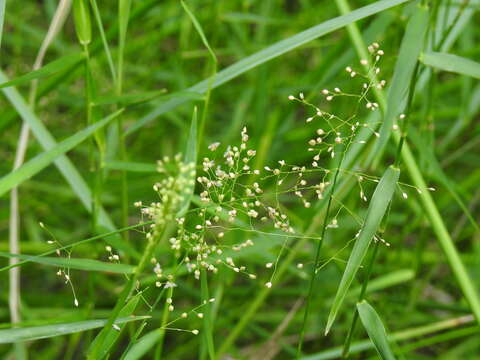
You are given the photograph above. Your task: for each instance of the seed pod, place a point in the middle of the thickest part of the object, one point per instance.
(81, 14)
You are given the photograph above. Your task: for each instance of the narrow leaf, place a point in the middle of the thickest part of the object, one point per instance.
(66, 167)
(110, 335)
(39, 162)
(451, 63)
(108, 53)
(47, 70)
(440, 175)
(131, 166)
(129, 99)
(199, 29)
(412, 44)
(143, 345)
(269, 53)
(73, 263)
(2, 18)
(376, 210)
(48, 331)
(375, 330)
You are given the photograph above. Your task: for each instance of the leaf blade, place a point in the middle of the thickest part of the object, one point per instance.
(375, 329)
(41, 161)
(143, 345)
(376, 210)
(271, 52)
(110, 335)
(412, 44)
(51, 68)
(74, 263)
(48, 331)
(64, 165)
(451, 63)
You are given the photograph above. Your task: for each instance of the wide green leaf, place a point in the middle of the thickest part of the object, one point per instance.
(376, 210)
(48, 331)
(451, 63)
(51, 68)
(269, 53)
(41, 161)
(375, 329)
(74, 263)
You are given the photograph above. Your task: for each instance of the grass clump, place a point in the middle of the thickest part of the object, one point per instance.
(315, 195)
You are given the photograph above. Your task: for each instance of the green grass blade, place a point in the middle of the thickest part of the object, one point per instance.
(98, 19)
(110, 335)
(451, 63)
(443, 236)
(440, 175)
(213, 57)
(41, 161)
(49, 331)
(269, 53)
(123, 18)
(375, 329)
(190, 157)
(402, 335)
(376, 210)
(384, 281)
(412, 45)
(2, 18)
(468, 287)
(199, 29)
(129, 99)
(65, 166)
(76, 243)
(73, 263)
(143, 345)
(131, 166)
(51, 68)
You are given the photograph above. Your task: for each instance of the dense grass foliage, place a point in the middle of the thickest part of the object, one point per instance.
(260, 180)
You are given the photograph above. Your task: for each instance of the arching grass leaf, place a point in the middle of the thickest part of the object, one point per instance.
(41, 161)
(412, 45)
(74, 263)
(269, 53)
(376, 210)
(375, 329)
(47, 70)
(451, 63)
(49, 331)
